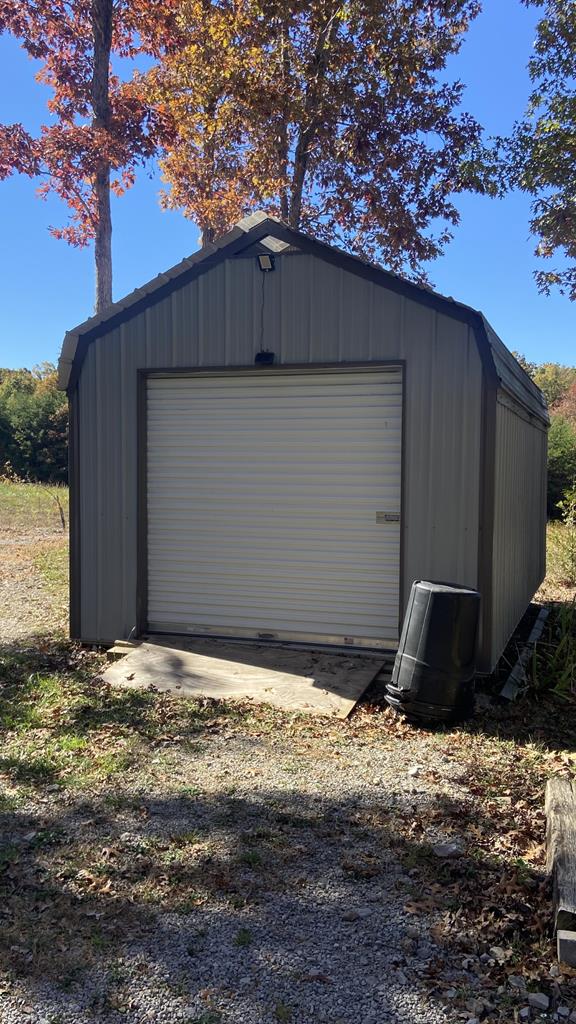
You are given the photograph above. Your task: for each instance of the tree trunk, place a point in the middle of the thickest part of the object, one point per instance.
(283, 135)
(207, 233)
(103, 239)
(102, 37)
(317, 74)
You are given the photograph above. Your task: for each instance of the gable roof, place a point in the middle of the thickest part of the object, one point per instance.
(260, 228)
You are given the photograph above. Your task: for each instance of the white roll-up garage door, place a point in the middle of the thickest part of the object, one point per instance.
(273, 504)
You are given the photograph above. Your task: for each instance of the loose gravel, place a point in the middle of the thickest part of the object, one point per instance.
(26, 604)
(309, 923)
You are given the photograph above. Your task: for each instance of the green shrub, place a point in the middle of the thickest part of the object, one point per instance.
(561, 463)
(566, 540)
(33, 425)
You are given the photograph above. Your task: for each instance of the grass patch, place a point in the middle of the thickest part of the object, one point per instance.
(559, 584)
(60, 723)
(250, 858)
(26, 506)
(52, 563)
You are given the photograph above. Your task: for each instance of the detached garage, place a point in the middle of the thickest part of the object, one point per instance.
(274, 439)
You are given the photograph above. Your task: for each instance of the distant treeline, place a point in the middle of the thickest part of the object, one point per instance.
(33, 425)
(558, 383)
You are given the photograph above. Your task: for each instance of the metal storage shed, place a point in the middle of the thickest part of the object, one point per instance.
(393, 438)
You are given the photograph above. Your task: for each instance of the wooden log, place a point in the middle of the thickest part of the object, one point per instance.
(561, 849)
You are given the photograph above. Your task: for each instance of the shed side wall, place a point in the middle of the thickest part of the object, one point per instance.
(313, 313)
(519, 552)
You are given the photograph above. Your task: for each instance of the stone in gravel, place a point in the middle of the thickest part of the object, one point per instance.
(414, 770)
(473, 1020)
(538, 1000)
(525, 1013)
(365, 911)
(351, 915)
(450, 993)
(499, 954)
(563, 1011)
(516, 981)
(448, 851)
(475, 1006)
(357, 914)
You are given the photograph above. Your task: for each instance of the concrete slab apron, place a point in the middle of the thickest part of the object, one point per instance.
(295, 680)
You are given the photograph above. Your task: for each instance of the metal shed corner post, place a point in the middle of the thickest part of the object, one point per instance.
(142, 511)
(74, 515)
(487, 499)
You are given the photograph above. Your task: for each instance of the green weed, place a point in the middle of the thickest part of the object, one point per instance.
(243, 937)
(553, 663)
(282, 1012)
(251, 858)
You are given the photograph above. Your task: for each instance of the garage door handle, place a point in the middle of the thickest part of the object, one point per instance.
(387, 517)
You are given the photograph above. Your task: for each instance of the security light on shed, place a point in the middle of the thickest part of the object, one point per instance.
(265, 261)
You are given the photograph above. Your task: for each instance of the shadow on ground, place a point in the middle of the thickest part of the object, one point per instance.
(276, 905)
(253, 902)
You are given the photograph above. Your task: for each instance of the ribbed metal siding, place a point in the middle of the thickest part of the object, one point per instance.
(313, 313)
(274, 505)
(519, 553)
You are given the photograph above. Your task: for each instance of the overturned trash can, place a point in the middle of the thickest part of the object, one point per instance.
(433, 677)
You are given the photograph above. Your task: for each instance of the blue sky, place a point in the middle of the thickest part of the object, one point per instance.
(47, 287)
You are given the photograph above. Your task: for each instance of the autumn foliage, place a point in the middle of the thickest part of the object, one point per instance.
(99, 129)
(332, 115)
(336, 116)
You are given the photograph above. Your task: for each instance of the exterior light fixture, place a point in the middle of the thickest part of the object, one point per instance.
(265, 262)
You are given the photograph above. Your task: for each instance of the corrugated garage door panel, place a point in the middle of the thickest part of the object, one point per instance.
(263, 494)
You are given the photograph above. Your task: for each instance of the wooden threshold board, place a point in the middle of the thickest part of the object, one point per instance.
(317, 682)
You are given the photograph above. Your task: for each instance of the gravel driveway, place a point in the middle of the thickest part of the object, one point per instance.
(26, 605)
(178, 862)
(296, 898)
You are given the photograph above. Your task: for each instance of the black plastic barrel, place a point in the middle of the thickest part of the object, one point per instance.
(433, 677)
